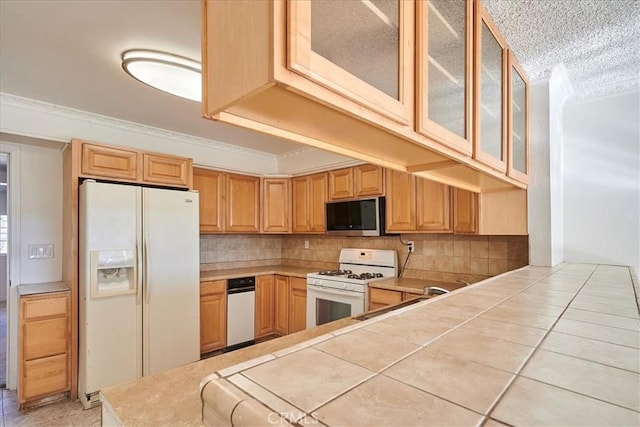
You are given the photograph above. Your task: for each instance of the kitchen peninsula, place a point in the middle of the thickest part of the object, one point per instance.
(531, 346)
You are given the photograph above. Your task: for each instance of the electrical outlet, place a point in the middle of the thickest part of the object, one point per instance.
(410, 246)
(306, 244)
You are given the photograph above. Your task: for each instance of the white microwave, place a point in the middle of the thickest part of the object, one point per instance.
(358, 217)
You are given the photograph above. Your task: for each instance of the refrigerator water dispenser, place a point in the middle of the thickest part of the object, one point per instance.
(113, 273)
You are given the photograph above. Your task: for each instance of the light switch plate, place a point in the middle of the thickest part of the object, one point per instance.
(40, 251)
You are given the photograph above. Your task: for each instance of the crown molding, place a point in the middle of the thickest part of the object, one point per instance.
(33, 105)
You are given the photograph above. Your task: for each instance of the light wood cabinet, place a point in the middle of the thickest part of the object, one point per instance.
(265, 306)
(498, 213)
(168, 170)
(297, 304)
(309, 198)
(444, 55)
(357, 181)
(379, 298)
(368, 180)
(400, 201)
(301, 204)
(465, 206)
(341, 184)
(317, 201)
(373, 68)
(490, 100)
(416, 204)
(433, 206)
(366, 89)
(282, 305)
(123, 164)
(109, 162)
(518, 121)
(210, 185)
(44, 346)
(276, 205)
(213, 315)
(242, 204)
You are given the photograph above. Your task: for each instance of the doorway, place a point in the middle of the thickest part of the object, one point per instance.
(4, 270)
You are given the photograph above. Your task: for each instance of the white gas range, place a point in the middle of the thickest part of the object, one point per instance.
(335, 294)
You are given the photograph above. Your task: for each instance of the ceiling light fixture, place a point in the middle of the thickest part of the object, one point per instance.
(170, 73)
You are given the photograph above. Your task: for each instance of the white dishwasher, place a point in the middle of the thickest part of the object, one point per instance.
(241, 305)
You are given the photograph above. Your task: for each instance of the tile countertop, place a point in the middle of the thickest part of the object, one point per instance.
(536, 346)
(172, 397)
(42, 288)
(285, 270)
(412, 286)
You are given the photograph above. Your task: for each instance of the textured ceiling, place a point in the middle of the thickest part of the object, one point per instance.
(597, 40)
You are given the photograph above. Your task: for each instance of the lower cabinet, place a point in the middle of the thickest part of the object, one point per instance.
(290, 304)
(44, 346)
(213, 315)
(379, 298)
(282, 305)
(265, 306)
(297, 304)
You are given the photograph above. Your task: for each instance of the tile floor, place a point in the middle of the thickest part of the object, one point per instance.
(560, 347)
(61, 414)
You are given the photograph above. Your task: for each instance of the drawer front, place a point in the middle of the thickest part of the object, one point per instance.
(166, 169)
(384, 297)
(40, 307)
(109, 162)
(45, 376)
(215, 287)
(44, 338)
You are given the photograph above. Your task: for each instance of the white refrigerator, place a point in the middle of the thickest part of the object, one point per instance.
(139, 254)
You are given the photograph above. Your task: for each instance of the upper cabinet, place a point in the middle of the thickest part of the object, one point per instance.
(444, 76)
(518, 123)
(496, 213)
(210, 185)
(130, 165)
(415, 86)
(242, 203)
(276, 205)
(309, 198)
(490, 135)
(416, 205)
(358, 181)
(109, 162)
(362, 50)
(228, 202)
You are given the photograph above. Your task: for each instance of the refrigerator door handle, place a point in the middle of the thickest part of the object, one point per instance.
(138, 277)
(147, 288)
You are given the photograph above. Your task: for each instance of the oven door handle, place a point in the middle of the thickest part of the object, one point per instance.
(333, 291)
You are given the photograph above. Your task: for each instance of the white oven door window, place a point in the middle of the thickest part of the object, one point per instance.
(325, 305)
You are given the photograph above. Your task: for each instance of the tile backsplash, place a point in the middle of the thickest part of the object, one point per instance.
(440, 257)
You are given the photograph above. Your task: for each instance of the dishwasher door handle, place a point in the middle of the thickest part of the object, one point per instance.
(241, 290)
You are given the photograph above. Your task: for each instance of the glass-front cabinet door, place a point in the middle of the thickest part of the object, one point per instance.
(361, 49)
(444, 75)
(490, 134)
(518, 129)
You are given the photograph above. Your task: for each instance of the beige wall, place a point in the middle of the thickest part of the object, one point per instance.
(442, 257)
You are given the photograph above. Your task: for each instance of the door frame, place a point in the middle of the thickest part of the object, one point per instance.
(13, 260)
